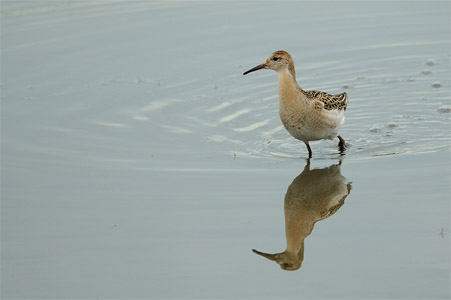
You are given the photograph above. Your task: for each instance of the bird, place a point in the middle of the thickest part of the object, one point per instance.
(314, 195)
(306, 115)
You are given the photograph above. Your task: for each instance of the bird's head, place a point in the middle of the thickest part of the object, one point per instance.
(286, 260)
(277, 61)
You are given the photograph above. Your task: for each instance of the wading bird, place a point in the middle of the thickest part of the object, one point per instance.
(306, 115)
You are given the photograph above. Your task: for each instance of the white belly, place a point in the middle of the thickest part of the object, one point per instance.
(312, 128)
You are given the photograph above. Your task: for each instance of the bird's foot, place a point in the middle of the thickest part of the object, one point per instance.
(309, 150)
(342, 144)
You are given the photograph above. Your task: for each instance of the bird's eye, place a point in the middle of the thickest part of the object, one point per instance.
(275, 58)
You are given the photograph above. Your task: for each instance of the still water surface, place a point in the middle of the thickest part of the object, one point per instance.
(137, 161)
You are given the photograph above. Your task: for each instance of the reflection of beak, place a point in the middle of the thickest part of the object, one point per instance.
(262, 66)
(267, 255)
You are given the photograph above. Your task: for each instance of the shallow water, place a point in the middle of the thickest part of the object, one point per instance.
(138, 162)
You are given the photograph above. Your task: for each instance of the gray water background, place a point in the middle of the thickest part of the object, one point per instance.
(138, 162)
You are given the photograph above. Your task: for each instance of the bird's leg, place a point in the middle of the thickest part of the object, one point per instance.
(341, 144)
(309, 150)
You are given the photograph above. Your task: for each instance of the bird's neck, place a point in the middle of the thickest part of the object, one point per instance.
(288, 87)
(298, 225)
(292, 70)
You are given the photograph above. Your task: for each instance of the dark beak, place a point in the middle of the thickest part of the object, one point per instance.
(267, 255)
(262, 66)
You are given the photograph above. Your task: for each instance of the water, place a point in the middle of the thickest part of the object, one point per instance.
(138, 162)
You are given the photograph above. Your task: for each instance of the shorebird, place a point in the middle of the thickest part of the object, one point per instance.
(306, 115)
(313, 196)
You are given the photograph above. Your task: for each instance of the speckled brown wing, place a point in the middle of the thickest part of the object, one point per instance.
(331, 102)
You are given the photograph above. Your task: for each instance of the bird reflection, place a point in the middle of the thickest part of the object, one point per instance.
(312, 196)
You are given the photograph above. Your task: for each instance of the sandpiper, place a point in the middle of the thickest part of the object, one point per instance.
(312, 196)
(307, 115)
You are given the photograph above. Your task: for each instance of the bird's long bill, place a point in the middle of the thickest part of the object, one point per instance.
(262, 66)
(267, 255)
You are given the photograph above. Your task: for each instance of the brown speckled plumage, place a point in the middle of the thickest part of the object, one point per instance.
(339, 101)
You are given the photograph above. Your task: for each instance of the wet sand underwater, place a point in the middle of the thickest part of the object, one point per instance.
(138, 162)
